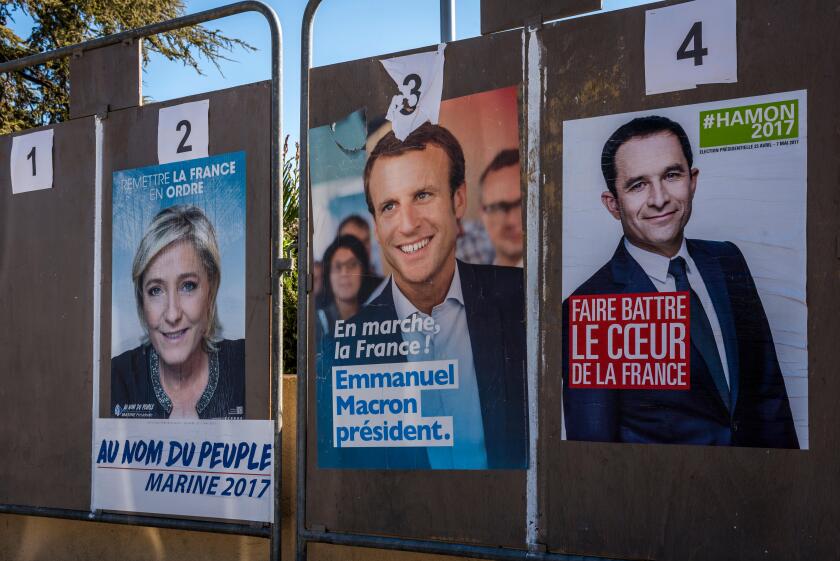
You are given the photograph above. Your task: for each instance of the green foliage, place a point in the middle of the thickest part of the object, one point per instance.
(38, 95)
(291, 190)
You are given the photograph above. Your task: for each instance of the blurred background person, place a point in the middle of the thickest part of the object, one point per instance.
(355, 225)
(473, 244)
(345, 282)
(501, 207)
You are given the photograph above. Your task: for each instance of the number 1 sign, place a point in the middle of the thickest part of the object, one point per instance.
(31, 161)
(690, 44)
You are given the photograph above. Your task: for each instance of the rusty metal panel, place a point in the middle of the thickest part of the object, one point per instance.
(480, 507)
(697, 502)
(108, 78)
(498, 15)
(238, 120)
(46, 282)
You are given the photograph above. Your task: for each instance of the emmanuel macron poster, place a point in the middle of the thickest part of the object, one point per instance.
(419, 298)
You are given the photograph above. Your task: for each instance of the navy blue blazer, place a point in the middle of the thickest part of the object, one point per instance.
(758, 412)
(494, 301)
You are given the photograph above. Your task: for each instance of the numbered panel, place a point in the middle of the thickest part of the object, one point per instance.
(47, 272)
(615, 499)
(134, 138)
(464, 505)
(46, 278)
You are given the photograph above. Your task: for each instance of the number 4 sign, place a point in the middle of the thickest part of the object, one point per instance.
(31, 161)
(690, 44)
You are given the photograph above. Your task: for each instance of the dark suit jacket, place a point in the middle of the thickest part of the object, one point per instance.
(494, 304)
(758, 413)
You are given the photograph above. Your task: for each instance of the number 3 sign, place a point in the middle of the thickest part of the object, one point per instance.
(690, 44)
(420, 81)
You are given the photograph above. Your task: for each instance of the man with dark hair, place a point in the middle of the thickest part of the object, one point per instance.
(640, 128)
(356, 226)
(501, 207)
(416, 192)
(426, 134)
(737, 394)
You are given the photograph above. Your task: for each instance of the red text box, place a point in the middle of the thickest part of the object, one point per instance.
(630, 341)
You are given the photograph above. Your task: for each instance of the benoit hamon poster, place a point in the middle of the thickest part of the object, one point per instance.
(684, 267)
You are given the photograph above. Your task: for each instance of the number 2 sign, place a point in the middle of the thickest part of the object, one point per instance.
(31, 161)
(690, 44)
(183, 132)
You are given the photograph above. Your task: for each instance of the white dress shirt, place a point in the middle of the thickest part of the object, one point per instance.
(656, 268)
(452, 341)
(520, 263)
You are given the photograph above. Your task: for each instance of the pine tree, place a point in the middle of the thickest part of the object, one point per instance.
(39, 95)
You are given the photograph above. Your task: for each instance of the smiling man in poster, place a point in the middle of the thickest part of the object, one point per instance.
(431, 372)
(668, 342)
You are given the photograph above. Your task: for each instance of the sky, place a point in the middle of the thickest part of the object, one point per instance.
(344, 30)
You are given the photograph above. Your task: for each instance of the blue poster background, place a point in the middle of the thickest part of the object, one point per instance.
(139, 194)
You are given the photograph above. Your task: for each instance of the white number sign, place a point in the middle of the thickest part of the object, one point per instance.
(31, 161)
(690, 44)
(420, 81)
(183, 132)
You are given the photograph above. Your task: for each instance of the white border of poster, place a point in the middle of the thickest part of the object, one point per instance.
(211, 469)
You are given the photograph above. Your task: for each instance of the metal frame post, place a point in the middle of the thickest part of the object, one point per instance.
(304, 278)
(278, 264)
(447, 21)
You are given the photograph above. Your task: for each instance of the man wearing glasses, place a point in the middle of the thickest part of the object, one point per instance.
(501, 203)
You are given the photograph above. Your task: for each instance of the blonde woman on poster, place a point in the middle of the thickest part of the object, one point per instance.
(183, 369)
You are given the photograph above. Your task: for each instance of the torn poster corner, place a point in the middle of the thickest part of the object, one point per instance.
(419, 78)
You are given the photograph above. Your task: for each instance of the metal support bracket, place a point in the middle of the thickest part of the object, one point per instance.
(283, 265)
(534, 23)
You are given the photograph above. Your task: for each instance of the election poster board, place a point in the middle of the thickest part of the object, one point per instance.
(684, 274)
(177, 442)
(46, 266)
(418, 283)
